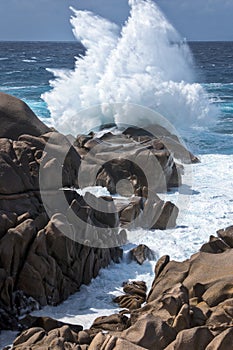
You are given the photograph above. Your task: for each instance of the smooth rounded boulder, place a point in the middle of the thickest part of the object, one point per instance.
(16, 118)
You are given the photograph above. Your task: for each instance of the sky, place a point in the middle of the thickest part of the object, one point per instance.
(49, 19)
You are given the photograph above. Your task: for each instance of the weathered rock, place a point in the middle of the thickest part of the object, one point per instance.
(214, 246)
(128, 209)
(183, 310)
(7, 220)
(47, 323)
(126, 163)
(14, 247)
(141, 253)
(29, 337)
(24, 304)
(17, 118)
(84, 338)
(150, 214)
(37, 259)
(172, 306)
(194, 338)
(212, 271)
(135, 288)
(8, 320)
(36, 339)
(223, 341)
(160, 265)
(128, 301)
(226, 235)
(116, 322)
(134, 297)
(101, 342)
(189, 307)
(221, 314)
(56, 266)
(149, 332)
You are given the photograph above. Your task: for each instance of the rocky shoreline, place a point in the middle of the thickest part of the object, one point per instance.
(189, 306)
(45, 256)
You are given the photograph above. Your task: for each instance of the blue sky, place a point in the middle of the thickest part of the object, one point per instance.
(49, 19)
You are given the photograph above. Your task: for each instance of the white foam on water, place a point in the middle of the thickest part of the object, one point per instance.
(145, 63)
(210, 209)
(97, 191)
(29, 60)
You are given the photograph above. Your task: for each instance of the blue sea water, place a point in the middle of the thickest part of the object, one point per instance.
(214, 67)
(26, 71)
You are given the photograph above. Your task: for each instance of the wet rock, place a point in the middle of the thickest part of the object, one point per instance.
(141, 253)
(128, 209)
(160, 265)
(128, 301)
(134, 297)
(135, 288)
(8, 319)
(226, 235)
(167, 218)
(214, 246)
(24, 304)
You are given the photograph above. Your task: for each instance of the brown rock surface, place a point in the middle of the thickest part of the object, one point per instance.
(226, 235)
(134, 297)
(38, 261)
(108, 342)
(149, 214)
(16, 117)
(141, 253)
(223, 341)
(189, 307)
(132, 162)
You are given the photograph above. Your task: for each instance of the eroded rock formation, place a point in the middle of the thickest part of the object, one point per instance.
(189, 306)
(44, 255)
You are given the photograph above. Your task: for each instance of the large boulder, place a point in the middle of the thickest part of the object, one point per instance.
(141, 253)
(17, 118)
(127, 164)
(134, 297)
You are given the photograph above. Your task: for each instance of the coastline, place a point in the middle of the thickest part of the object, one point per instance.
(179, 320)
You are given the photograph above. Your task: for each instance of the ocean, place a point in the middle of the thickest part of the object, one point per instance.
(190, 83)
(27, 69)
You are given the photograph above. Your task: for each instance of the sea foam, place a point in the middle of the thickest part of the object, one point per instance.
(145, 63)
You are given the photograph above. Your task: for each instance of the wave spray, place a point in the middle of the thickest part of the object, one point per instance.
(145, 62)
